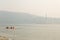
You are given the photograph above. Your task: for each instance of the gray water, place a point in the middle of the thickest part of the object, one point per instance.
(34, 32)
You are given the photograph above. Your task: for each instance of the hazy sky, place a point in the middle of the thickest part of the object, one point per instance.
(35, 7)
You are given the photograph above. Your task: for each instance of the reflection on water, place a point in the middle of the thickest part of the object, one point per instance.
(35, 32)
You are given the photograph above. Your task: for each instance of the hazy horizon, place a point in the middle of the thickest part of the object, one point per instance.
(35, 7)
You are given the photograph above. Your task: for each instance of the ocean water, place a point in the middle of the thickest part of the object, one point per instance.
(33, 32)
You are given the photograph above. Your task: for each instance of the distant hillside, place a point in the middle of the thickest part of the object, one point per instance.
(24, 18)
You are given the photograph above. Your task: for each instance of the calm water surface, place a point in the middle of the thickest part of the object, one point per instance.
(34, 32)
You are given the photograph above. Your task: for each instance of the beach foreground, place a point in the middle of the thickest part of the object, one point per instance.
(36, 32)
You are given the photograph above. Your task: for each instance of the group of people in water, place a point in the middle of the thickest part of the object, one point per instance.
(10, 27)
